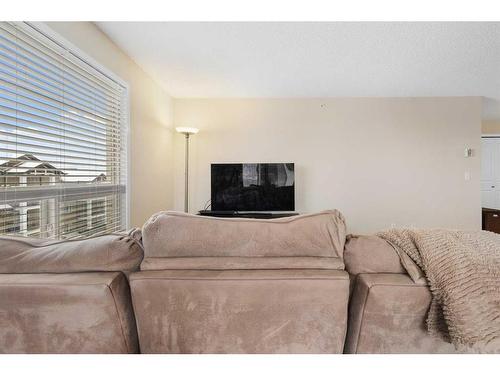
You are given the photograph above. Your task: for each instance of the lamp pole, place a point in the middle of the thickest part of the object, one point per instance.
(186, 176)
(187, 133)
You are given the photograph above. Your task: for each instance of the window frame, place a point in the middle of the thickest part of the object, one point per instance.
(79, 54)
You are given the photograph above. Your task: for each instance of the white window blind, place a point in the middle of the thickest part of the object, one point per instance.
(62, 140)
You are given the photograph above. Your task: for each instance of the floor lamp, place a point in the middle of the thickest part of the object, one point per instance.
(187, 132)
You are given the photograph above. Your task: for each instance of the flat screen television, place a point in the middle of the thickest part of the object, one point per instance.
(253, 187)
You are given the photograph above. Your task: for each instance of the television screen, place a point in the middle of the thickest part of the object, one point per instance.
(253, 187)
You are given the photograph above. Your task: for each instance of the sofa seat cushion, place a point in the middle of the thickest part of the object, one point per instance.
(113, 252)
(66, 313)
(174, 234)
(241, 311)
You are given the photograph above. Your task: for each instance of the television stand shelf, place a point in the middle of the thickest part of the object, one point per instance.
(250, 215)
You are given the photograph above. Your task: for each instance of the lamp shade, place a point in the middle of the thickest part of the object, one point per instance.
(186, 130)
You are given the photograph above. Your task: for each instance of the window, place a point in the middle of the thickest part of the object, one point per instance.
(63, 126)
(33, 217)
(9, 219)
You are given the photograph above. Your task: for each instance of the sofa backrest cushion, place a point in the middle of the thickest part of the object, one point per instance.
(113, 252)
(371, 254)
(175, 234)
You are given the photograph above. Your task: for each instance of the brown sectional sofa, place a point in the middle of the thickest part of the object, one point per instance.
(213, 285)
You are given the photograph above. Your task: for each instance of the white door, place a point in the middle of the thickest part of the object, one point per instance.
(490, 172)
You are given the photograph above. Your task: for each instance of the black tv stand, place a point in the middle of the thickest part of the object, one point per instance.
(247, 214)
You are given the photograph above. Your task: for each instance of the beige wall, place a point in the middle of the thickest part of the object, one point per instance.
(380, 161)
(151, 148)
(490, 127)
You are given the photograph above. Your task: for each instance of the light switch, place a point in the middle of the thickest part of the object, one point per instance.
(467, 176)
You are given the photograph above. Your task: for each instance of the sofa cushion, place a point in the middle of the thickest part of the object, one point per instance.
(387, 314)
(235, 311)
(87, 312)
(174, 234)
(241, 263)
(371, 254)
(113, 252)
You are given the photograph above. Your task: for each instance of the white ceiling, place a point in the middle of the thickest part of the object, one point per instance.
(317, 59)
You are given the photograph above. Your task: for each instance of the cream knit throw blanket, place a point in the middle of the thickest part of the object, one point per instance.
(463, 272)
